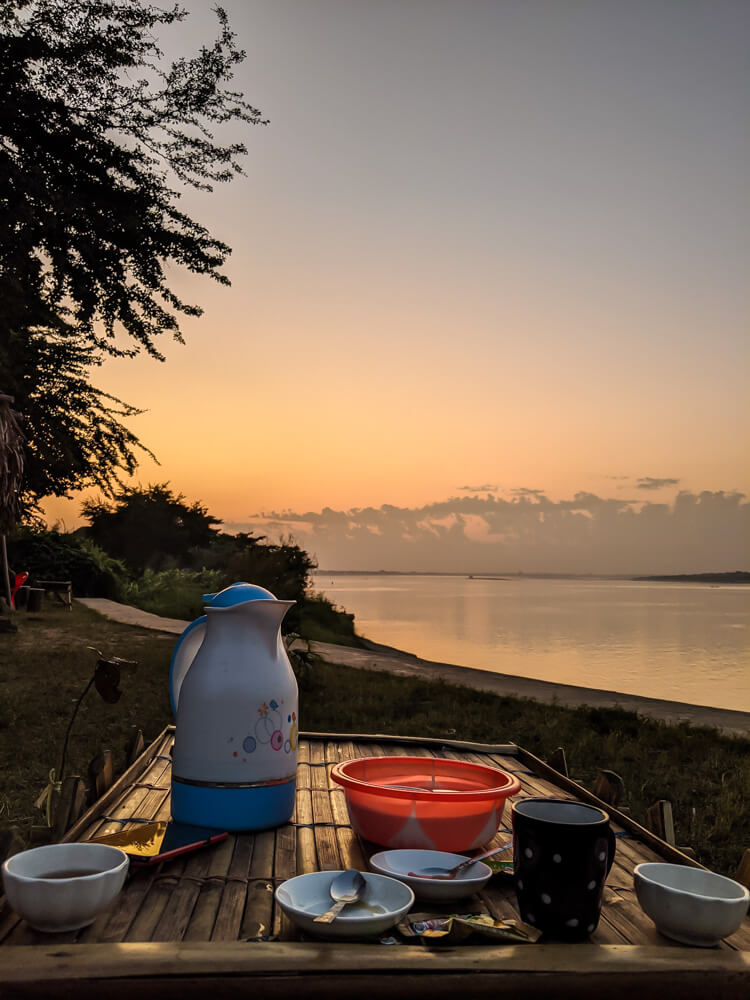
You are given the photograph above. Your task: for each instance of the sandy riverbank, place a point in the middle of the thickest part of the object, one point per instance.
(404, 664)
(396, 662)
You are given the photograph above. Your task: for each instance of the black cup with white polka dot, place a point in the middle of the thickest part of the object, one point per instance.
(562, 853)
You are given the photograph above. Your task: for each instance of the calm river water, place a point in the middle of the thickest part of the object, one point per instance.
(679, 641)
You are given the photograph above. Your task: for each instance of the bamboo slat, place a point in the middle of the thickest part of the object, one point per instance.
(120, 918)
(350, 849)
(307, 858)
(339, 808)
(208, 869)
(153, 907)
(232, 903)
(257, 916)
(174, 919)
(325, 835)
(284, 867)
(203, 917)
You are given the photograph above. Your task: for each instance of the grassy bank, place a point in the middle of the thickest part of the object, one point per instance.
(46, 664)
(179, 594)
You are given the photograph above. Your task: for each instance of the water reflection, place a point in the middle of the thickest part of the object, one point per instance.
(683, 642)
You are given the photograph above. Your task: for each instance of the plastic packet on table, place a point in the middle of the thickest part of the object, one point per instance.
(499, 867)
(457, 927)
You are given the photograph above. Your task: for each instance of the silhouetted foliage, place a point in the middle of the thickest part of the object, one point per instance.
(51, 555)
(92, 128)
(283, 569)
(157, 533)
(90, 124)
(151, 528)
(11, 463)
(73, 431)
(322, 621)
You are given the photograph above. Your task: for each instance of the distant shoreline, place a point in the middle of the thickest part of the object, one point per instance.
(735, 577)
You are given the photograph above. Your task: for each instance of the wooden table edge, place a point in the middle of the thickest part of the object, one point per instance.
(86, 963)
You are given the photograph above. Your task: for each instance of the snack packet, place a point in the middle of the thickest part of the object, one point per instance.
(457, 927)
(500, 867)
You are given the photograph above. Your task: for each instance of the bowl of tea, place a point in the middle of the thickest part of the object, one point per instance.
(61, 887)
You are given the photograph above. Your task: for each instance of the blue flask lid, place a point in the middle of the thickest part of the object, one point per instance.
(238, 593)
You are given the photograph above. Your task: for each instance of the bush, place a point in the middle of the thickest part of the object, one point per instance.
(52, 555)
(151, 528)
(283, 569)
(173, 593)
(321, 621)
(178, 593)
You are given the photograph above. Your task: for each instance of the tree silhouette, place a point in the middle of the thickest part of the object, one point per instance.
(11, 474)
(97, 136)
(149, 528)
(73, 432)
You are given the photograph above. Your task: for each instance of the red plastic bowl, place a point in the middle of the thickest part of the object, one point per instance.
(444, 805)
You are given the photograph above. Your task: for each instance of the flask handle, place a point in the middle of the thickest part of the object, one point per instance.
(184, 653)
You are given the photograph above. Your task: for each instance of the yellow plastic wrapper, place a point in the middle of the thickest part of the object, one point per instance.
(143, 842)
(454, 929)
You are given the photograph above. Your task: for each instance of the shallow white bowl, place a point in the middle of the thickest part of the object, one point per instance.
(690, 905)
(397, 864)
(64, 904)
(383, 902)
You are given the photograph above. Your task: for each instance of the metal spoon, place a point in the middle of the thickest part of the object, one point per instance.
(446, 873)
(346, 888)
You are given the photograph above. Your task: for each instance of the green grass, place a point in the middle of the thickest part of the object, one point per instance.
(706, 776)
(177, 593)
(172, 593)
(46, 665)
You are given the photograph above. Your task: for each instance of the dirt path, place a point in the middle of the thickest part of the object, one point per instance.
(404, 664)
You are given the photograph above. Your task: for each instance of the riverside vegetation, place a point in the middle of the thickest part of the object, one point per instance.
(47, 662)
(151, 548)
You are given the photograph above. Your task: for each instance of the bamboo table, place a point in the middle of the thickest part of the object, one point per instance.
(206, 925)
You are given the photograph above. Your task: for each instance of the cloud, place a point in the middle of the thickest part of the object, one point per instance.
(486, 488)
(524, 491)
(586, 533)
(649, 483)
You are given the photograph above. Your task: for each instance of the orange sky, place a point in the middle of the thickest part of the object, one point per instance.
(480, 247)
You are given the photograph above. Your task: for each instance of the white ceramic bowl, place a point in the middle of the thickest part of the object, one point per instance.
(690, 905)
(398, 864)
(96, 873)
(383, 902)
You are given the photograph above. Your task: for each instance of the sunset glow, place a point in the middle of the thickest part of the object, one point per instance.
(481, 248)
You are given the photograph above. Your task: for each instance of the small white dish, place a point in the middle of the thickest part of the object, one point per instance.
(398, 864)
(382, 903)
(61, 887)
(690, 905)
